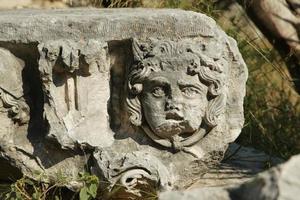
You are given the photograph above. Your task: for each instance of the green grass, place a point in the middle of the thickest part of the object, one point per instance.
(28, 189)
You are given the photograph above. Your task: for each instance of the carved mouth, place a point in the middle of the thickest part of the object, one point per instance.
(174, 116)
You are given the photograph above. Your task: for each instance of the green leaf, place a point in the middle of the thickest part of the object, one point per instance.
(83, 195)
(93, 190)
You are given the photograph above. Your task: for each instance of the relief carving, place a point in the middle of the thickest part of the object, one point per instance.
(176, 97)
(74, 79)
(176, 92)
(132, 169)
(11, 92)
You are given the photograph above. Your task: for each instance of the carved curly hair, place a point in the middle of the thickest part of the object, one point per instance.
(154, 56)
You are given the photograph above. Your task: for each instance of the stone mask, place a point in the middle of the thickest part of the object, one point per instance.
(172, 89)
(173, 103)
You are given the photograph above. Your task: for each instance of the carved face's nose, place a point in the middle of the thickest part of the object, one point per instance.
(174, 99)
(172, 104)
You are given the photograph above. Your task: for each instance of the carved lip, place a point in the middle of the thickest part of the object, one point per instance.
(174, 116)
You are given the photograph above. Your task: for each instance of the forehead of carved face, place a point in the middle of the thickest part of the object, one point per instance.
(173, 102)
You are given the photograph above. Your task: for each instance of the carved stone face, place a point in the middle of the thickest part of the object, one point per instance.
(173, 87)
(173, 103)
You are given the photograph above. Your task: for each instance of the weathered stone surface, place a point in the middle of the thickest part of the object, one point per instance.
(278, 183)
(136, 94)
(11, 88)
(75, 79)
(240, 164)
(196, 194)
(250, 158)
(104, 24)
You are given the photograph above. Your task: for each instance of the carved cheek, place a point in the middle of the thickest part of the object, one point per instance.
(194, 109)
(152, 103)
(153, 109)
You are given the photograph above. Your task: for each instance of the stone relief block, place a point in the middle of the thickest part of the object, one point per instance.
(139, 105)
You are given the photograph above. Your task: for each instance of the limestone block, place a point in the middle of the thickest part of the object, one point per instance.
(137, 95)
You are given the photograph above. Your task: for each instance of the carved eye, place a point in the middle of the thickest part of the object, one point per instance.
(158, 91)
(190, 91)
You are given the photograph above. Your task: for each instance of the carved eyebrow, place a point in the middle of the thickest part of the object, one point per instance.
(160, 80)
(184, 83)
